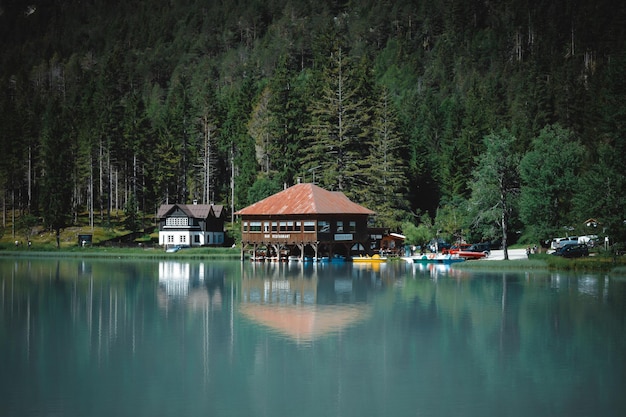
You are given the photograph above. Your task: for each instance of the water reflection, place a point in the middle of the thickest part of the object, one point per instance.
(126, 338)
(197, 284)
(435, 270)
(596, 286)
(318, 301)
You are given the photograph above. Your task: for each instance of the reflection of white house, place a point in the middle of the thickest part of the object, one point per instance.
(191, 224)
(174, 278)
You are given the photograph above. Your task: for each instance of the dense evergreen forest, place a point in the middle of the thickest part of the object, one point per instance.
(458, 117)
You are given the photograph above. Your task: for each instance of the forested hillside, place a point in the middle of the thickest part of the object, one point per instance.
(460, 115)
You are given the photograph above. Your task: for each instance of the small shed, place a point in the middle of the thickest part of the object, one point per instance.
(393, 243)
(85, 240)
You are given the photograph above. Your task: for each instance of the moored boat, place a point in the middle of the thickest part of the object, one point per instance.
(438, 258)
(464, 251)
(334, 258)
(369, 259)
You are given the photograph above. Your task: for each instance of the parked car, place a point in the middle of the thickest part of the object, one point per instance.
(559, 242)
(436, 245)
(480, 247)
(572, 250)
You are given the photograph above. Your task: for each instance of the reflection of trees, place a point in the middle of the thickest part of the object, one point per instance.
(480, 343)
(529, 329)
(99, 328)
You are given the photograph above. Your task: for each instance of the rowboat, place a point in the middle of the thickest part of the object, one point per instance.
(437, 258)
(334, 258)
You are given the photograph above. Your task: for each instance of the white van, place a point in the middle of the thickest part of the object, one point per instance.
(559, 242)
(588, 240)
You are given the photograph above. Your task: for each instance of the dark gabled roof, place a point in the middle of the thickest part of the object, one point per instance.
(305, 199)
(217, 210)
(198, 211)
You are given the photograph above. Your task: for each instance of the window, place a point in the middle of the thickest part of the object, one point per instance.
(298, 226)
(255, 226)
(274, 226)
(352, 227)
(183, 239)
(245, 226)
(323, 226)
(283, 226)
(170, 239)
(177, 221)
(290, 227)
(266, 227)
(309, 226)
(339, 226)
(196, 238)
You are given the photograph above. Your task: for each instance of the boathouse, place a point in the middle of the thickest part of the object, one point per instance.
(305, 220)
(189, 225)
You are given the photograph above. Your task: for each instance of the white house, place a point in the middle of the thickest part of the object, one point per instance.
(191, 225)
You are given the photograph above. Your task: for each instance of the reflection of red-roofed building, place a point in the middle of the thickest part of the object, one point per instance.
(306, 219)
(290, 307)
(304, 323)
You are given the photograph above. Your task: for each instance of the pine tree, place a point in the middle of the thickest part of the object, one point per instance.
(259, 128)
(336, 135)
(58, 161)
(384, 167)
(288, 109)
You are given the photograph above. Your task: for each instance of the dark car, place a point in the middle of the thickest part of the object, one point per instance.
(572, 250)
(440, 245)
(480, 247)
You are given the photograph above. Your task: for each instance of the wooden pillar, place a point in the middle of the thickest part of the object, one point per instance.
(301, 246)
(276, 247)
(348, 246)
(243, 250)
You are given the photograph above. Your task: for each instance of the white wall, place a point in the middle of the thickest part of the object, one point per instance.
(185, 238)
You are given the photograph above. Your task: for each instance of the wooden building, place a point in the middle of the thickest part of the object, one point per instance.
(191, 225)
(305, 220)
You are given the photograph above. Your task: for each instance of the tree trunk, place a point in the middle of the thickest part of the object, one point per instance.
(504, 225)
(91, 193)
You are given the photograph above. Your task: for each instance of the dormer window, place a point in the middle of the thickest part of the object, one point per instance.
(177, 221)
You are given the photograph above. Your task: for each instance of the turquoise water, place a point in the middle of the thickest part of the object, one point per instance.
(157, 338)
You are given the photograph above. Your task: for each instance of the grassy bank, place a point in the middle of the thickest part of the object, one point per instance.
(109, 240)
(604, 262)
(131, 253)
(513, 264)
(599, 262)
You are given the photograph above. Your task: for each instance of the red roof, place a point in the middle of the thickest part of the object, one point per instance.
(305, 199)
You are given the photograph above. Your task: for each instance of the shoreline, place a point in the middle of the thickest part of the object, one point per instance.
(518, 260)
(131, 253)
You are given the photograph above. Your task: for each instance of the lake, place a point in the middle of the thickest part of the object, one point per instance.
(176, 338)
